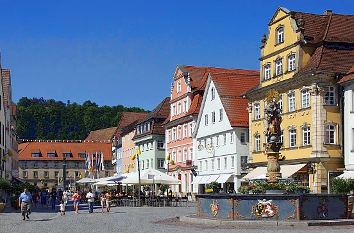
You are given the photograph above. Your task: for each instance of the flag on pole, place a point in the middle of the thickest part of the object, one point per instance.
(88, 162)
(92, 164)
(102, 162)
(97, 164)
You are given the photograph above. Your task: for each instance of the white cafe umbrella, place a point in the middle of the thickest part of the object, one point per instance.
(150, 176)
(86, 181)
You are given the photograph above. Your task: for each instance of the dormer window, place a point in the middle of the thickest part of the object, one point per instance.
(280, 35)
(212, 93)
(267, 72)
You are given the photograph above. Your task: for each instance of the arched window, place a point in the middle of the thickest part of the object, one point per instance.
(280, 35)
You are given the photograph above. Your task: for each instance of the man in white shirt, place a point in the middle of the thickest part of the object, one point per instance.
(90, 199)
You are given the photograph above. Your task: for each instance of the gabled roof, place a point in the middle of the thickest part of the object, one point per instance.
(26, 150)
(160, 114)
(108, 133)
(349, 76)
(160, 111)
(230, 87)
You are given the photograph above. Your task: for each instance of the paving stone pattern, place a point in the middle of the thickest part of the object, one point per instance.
(129, 219)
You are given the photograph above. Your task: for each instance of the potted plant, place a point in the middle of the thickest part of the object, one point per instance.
(297, 189)
(214, 186)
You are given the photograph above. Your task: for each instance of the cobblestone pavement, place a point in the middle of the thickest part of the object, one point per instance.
(133, 219)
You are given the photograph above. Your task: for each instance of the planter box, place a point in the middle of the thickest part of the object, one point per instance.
(275, 191)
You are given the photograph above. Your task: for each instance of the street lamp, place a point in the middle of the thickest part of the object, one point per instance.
(64, 173)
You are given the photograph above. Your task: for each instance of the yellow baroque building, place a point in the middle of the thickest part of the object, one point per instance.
(303, 56)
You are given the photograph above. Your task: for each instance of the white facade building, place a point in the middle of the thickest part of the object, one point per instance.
(348, 83)
(221, 133)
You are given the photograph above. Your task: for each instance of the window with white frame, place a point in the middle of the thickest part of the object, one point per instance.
(279, 66)
(280, 103)
(174, 110)
(212, 93)
(217, 140)
(160, 163)
(224, 139)
(190, 129)
(212, 164)
(174, 134)
(232, 135)
(179, 156)
(330, 134)
(267, 72)
(292, 138)
(280, 35)
(291, 62)
(185, 106)
(218, 163)
(191, 153)
(221, 114)
(306, 136)
(305, 98)
(352, 139)
(169, 138)
(257, 143)
(174, 156)
(282, 136)
(232, 161)
(160, 144)
(184, 154)
(185, 128)
(330, 97)
(147, 164)
(200, 168)
(213, 117)
(179, 109)
(206, 165)
(206, 119)
(179, 132)
(225, 162)
(257, 111)
(291, 101)
(179, 86)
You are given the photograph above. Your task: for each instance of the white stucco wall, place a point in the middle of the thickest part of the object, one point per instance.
(221, 148)
(349, 127)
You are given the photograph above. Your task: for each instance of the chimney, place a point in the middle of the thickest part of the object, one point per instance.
(327, 12)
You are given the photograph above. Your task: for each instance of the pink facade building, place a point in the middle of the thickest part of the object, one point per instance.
(186, 96)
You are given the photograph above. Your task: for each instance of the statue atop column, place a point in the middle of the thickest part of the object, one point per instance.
(273, 134)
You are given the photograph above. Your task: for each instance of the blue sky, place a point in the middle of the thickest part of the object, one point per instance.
(125, 52)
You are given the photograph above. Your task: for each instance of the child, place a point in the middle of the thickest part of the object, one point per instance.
(103, 200)
(62, 208)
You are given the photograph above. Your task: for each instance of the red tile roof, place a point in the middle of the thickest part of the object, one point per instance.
(230, 87)
(329, 28)
(26, 150)
(331, 60)
(108, 133)
(349, 76)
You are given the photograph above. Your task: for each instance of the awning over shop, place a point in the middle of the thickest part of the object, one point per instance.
(286, 171)
(223, 178)
(347, 175)
(206, 179)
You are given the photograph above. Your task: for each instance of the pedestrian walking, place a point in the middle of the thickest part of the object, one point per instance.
(103, 200)
(44, 198)
(53, 196)
(108, 197)
(90, 200)
(24, 202)
(62, 208)
(35, 198)
(65, 197)
(76, 199)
